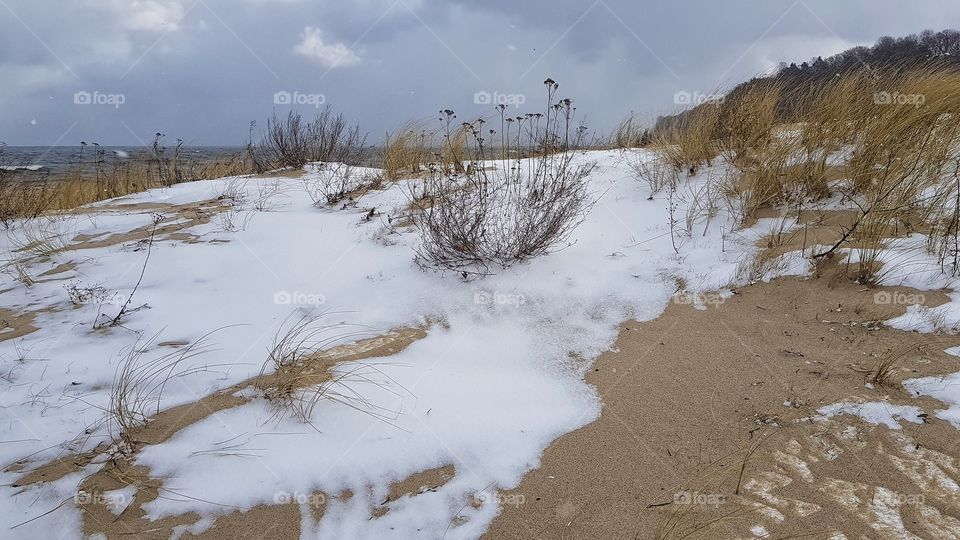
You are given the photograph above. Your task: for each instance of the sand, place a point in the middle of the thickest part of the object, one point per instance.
(14, 324)
(693, 395)
(176, 220)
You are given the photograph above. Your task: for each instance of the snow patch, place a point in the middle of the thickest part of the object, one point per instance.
(945, 389)
(875, 412)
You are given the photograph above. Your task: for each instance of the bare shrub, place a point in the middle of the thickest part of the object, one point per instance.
(507, 211)
(334, 183)
(103, 320)
(266, 192)
(81, 294)
(291, 142)
(232, 192)
(233, 220)
(286, 141)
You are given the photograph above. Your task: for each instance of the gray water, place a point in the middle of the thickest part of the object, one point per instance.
(58, 160)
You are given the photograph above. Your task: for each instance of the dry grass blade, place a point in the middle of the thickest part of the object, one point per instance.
(297, 374)
(631, 133)
(139, 384)
(655, 171)
(688, 517)
(886, 141)
(21, 199)
(288, 142)
(42, 238)
(406, 152)
(886, 369)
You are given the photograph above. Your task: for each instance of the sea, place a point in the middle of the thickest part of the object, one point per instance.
(55, 161)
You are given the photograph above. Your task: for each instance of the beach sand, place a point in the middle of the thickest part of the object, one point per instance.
(706, 428)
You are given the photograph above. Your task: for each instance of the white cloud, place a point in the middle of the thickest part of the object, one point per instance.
(332, 55)
(152, 15)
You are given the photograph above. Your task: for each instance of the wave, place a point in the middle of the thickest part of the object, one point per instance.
(21, 167)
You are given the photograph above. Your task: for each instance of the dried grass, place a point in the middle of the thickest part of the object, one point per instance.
(407, 151)
(139, 384)
(297, 374)
(631, 133)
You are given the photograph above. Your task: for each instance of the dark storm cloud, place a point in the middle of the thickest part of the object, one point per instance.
(202, 69)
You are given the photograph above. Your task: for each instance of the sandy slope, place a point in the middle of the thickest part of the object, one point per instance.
(689, 395)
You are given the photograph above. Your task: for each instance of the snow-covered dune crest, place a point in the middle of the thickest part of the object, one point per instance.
(497, 377)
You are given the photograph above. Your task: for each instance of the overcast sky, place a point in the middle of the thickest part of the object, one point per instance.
(116, 71)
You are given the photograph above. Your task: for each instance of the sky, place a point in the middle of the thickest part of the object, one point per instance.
(117, 71)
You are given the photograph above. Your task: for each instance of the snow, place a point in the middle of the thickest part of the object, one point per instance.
(907, 263)
(945, 389)
(119, 499)
(794, 263)
(927, 319)
(487, 390)
(875, 412)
